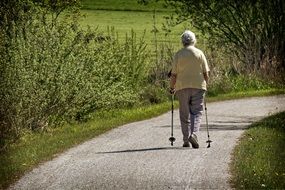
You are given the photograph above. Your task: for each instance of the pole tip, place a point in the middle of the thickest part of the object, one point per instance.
(209, 143)
(172, 139)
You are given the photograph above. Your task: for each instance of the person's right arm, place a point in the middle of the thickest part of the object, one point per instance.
(173, 75)
(172, 81)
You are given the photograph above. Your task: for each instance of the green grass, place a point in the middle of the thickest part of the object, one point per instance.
(142, 23)
(104, 14)
(246, 94)
(259, 159)
(34, 148)
(124, 16)
(126, 5)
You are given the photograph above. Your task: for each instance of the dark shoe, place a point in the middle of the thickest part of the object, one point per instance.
(186, 144)
(194, 141)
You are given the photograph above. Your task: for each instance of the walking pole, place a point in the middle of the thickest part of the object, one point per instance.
(172, 139)
(208, 141)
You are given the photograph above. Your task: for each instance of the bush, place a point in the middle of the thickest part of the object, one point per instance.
(227, 83)
(154, 94)
(52, 71)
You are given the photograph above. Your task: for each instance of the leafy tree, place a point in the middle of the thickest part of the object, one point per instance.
(253, 30)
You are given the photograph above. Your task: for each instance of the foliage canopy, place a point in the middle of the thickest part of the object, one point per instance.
(253, 30)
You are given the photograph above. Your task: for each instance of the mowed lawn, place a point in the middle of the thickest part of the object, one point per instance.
(127, 16)
(123, 5)
(123, 22)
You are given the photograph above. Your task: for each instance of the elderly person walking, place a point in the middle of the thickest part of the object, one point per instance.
(189, 77)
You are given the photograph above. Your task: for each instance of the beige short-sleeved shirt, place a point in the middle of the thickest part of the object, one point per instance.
(189, 65)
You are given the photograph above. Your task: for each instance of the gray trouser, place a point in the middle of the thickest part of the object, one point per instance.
(190, 110)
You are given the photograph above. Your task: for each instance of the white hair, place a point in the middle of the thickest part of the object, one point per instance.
(188, 38)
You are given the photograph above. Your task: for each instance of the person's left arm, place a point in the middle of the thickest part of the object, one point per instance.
(206, 70)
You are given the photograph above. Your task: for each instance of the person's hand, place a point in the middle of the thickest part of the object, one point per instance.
(172, 90)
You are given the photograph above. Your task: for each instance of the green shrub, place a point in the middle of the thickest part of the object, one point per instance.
(153, 94)
(52, 71)
(228, 83)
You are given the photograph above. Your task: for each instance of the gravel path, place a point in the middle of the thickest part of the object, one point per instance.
(139, 155)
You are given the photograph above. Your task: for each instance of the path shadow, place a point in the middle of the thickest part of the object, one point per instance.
(225, 127)
(218, 127)
(143, 150)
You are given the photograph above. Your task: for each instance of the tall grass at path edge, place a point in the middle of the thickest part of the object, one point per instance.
(259, 159)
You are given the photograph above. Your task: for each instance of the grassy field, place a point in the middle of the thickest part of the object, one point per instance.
(125, 16)
(126, 5)
(259, 159)
(142, 23)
